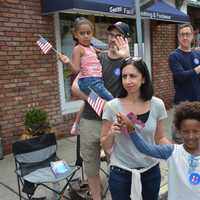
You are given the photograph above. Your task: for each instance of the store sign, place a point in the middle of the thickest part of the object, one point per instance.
(156, 15)
(121, 10)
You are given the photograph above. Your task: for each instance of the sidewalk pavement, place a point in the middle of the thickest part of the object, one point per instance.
(66, 151)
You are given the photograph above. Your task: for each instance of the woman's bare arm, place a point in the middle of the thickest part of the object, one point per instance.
(108, 131)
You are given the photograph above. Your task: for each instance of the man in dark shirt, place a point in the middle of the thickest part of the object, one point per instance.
(185, 66)
(90, 124)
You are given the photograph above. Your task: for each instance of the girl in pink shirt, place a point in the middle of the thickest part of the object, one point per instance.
(86, 63)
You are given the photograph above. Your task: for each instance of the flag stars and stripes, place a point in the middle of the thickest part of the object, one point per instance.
(44, 45)
(96, 102)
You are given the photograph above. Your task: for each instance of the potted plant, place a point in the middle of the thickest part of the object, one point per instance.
(36, 123)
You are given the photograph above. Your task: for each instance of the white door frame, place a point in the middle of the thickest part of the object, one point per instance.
(70, 106)
(147, 44)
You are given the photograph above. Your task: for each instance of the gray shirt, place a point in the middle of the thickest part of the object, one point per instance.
(111, 77)
(124, 151)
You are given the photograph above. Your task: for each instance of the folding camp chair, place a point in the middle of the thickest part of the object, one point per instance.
(32, 159)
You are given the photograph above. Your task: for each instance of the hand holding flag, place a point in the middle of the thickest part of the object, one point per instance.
(135, 120)
(125, 123)
(128, 122)
(63, 58)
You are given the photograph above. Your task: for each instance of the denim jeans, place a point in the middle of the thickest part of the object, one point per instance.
(96, 84)
(120, 183)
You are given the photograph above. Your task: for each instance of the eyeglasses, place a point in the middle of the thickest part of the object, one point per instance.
(185, 34)
(131, 60)
(112, 35)
(135, 59)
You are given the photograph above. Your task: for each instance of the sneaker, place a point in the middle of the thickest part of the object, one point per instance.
(75, 129)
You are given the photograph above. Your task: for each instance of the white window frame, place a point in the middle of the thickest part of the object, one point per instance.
(67, 107)
(147, 44)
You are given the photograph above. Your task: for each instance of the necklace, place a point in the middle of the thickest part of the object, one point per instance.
(194, 177)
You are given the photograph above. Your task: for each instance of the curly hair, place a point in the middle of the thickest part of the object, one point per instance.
(186, 110)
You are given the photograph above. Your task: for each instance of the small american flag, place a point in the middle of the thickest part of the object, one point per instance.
(44, 45)
(96, 102)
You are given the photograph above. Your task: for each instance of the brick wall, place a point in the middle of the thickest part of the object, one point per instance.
(163, 42)
(27, 77)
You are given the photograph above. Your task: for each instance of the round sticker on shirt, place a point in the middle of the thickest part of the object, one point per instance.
(196, 61)
(117, 71)
(194, 178)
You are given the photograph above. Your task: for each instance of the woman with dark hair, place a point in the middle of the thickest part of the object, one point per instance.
(146, 90)
(133, 175)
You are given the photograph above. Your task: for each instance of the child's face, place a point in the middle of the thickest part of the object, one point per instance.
(190, 131)
(84, 34)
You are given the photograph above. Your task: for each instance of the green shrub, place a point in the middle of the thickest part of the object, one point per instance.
(36, 121)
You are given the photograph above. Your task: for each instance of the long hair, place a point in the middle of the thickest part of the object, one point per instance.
(146, 89)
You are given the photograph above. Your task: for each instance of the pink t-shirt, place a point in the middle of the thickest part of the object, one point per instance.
(90, 65)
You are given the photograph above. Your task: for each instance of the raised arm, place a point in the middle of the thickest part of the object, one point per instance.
(122, 47)
(162, 151)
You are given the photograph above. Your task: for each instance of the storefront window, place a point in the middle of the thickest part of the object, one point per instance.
(65, 43)
(194, 13)
(196, 37)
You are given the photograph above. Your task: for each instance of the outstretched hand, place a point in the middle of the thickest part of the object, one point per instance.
(122, 47)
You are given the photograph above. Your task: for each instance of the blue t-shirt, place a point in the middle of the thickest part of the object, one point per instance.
(186, 80)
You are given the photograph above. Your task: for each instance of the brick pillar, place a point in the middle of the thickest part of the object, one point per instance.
(163, 37)
(27, 77)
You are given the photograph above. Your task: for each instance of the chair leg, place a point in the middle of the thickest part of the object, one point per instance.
(19, 188)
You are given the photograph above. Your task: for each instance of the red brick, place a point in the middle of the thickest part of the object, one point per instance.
(162, 44)
(27, 77)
